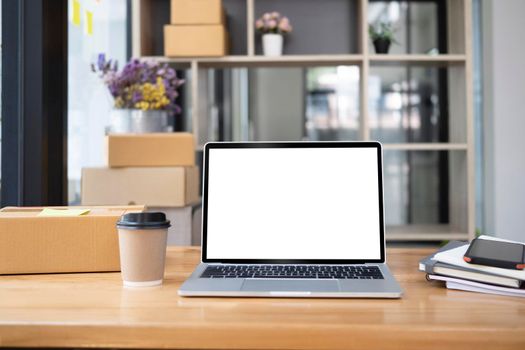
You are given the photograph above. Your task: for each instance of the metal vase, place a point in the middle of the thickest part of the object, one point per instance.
(137, 121)
(119, 121)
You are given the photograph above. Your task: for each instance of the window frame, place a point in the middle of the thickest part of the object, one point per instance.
(34, 108)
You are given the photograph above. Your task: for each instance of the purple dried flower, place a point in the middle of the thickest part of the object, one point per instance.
(126, 85)
(170, 74)
(101, 61)
(176, 109)
(136, 97)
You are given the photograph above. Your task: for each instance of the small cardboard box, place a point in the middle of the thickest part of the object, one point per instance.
(151, 150)
(30, 243)
(197, 12)
(157, 187)
(195, 40)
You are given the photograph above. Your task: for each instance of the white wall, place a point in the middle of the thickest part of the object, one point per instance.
(504, 119)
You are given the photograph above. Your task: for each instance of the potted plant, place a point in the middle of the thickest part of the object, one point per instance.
(382, 35)
(272, 26)
(143, 92)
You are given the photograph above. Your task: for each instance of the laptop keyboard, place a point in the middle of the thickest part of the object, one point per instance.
(293, 271)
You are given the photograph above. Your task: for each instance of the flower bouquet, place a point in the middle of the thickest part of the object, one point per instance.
(272, 26)
(145, 90)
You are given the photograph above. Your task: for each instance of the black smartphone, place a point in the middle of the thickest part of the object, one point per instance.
(495, 253)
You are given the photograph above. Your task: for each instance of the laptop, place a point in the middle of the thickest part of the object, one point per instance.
(292, 219)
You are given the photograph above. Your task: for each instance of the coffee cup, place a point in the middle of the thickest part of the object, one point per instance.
(142, 242)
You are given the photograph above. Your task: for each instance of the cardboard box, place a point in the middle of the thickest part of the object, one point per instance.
(36, 244)
(180, 232)
(196, 227)
(197, 12)
(157, 187)
(150, 150)
(195, 40)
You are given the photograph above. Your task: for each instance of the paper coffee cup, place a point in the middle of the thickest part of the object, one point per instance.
(142, 242)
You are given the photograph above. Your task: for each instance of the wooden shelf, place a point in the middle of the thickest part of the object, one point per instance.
(180, 63)
(424, 60)
(425, 146)
(263, 61)
(424, 233)
(311, 60)
(353, 48)
(413, 147)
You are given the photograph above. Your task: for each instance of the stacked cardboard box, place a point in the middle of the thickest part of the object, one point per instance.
(197, 29)
(156, 170)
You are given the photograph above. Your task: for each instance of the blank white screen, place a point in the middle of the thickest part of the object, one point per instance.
(293, 203)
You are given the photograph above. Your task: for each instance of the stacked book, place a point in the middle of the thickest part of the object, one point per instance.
(448, 265)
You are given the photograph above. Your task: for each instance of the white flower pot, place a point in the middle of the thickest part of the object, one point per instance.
(136, 121)
(272, 44)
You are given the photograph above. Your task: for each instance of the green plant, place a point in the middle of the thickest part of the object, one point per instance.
(382, 31)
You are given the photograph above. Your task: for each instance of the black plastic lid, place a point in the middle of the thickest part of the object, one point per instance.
(146, 220)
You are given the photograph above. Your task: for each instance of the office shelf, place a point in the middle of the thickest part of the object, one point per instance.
(438, 146)
(331, 45)
(312, 60)
(441, 146)
(424, 233)
(262, 61)
(417, 60)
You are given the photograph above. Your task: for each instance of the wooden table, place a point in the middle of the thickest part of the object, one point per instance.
(93, 310)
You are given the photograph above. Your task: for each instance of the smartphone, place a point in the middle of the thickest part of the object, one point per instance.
(495, 253)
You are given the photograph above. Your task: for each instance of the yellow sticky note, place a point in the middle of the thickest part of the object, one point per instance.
(89, 22)
(76, 12)
(63, 212)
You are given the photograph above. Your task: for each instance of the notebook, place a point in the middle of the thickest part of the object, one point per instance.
(455, 257)
(454, 283)
(431, 266)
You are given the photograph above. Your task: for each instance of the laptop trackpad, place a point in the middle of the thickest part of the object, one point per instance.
(262, 285)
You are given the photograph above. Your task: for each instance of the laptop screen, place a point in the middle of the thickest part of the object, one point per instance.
(293, 202)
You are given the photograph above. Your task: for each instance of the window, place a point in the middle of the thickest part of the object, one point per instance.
(94, 27)
(0, 98)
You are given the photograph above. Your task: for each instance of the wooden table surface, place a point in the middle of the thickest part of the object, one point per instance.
(94, 310)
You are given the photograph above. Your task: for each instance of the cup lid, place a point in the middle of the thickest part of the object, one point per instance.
(145, 220)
